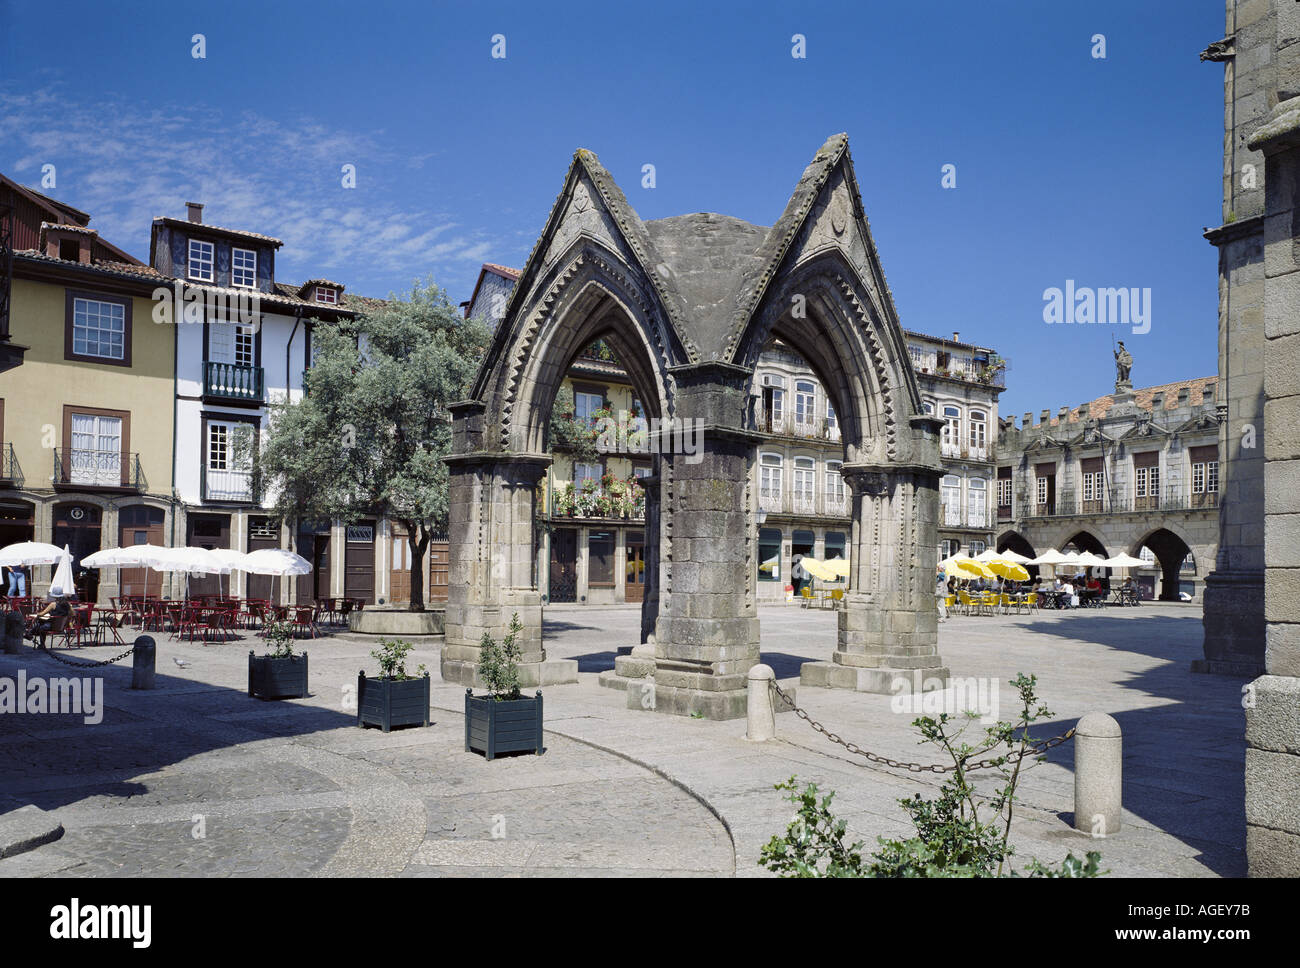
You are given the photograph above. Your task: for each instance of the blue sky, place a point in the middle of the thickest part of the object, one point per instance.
(1068, 167)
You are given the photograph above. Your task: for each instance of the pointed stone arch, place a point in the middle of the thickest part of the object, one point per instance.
(689, 302)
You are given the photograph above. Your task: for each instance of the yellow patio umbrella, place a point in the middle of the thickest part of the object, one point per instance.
(817, 568)
(1008, 570)
(961, 566)
(840, 566)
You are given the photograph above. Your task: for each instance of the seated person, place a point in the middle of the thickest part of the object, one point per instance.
(1094, 590)
(45, 618)
(1068, 595)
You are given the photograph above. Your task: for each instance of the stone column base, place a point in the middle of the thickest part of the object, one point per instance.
(1272, 772)
(548, 672)
(630, 665)
(885, 680)
(715, 704)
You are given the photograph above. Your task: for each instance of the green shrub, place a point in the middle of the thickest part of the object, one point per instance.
(498, 665)
(391, 656)
(952, 839)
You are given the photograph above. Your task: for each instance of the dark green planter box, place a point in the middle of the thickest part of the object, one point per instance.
(511, 726)
(277, 678)
(392, 702)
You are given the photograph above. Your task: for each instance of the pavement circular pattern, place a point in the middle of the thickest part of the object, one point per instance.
(197, 779)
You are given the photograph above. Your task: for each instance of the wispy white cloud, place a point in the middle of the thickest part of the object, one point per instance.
(126, 163)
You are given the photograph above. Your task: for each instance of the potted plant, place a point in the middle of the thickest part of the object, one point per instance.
(393, 698)
(503, 721)
(279, 674)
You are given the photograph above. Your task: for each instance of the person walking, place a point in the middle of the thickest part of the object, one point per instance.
(940, 594)
(17, 581)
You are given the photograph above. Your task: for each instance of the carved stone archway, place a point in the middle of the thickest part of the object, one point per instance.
(688, 303)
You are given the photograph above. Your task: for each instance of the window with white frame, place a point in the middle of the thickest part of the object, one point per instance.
(98, 328)
(95, 456)
(585, 472)
(232, 343)
(835, 490)
(950, 499)
(977, 548)
(228, 461)
(326, 294)
(1146, 481)
(928, 407)
(832, 421)
(805, 482)
(586, 404)
(951, 428)
(804, 397)
(201, 260)
(977, 502)
(243, 268)
(978, 432)
(1092, 485)
(1004, 492)
(769, 477)
(1205, 477)
(1041, 489)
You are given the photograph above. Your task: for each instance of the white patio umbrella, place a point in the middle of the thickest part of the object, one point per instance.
(274, 561)
(114, 558)
(30, 553)
(62, 582)
(1089, 560)
(1015, 556)
(1052, 558)
(186, 561)
(130, 557)
(1123, 560)
(231, 558)
(987, 555)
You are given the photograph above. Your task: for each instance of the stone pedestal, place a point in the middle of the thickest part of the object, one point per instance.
(889, 628)
(493, 568)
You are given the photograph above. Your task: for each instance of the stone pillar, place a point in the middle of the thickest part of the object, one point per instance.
(706, 634)
(1273, 700)
(492, 499)
(1234, 590)
(888, 629)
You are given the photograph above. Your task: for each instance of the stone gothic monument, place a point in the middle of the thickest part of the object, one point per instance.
(688, 303)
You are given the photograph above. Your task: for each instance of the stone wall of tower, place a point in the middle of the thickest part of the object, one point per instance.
(1253, 76)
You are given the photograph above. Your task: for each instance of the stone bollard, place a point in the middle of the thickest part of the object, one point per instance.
(1098, 775)
(13, 633)
(142, 662)
(762, 717)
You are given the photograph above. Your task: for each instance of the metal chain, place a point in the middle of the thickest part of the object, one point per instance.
(920, 767)
(85, 665)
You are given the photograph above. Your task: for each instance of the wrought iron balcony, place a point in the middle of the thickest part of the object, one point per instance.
(784, 423)
(804, 503)
(1174, 498)
(229, 381)
(11, 474)
(234, 486)
(95, 469)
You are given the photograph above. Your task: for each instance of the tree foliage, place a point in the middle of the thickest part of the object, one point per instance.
(369, 435)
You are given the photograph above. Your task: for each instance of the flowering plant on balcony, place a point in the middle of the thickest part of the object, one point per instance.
(610, 497)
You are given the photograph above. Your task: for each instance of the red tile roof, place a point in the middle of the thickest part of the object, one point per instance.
(1143, 398)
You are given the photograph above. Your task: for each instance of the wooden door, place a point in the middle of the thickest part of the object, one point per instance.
(439, 570)
(262, 533)
(207, 531)
(359, 562)
(564, 565)
(140, 525)
(634, 587)
(314, 545)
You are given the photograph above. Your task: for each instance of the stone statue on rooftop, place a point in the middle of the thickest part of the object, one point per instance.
(1123, 367)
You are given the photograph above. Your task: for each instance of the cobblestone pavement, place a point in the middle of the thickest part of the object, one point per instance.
(195, 778)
